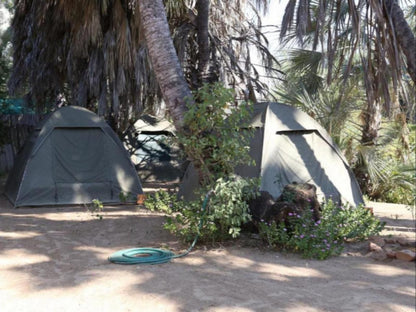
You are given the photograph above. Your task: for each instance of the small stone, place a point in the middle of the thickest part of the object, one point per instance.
(378, 241)
(379, 255)
(390, 253)
(406, 255)
(374, 247)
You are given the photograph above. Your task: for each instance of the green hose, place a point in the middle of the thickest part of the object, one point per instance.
(146, 255)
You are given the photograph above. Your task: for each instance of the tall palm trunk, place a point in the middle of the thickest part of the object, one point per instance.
(164, 59)
(202, 22)
(404, 35)
(371, 124)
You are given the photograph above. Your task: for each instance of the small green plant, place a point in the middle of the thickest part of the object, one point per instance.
(162, 201)
(322, 238)
(95, 208)
(124, 197)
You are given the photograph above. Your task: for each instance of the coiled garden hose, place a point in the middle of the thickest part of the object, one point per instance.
(145, 255)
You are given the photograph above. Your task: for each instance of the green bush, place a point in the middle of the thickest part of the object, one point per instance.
(214, 140)
(353, 223)
(162, 201)
(325, 237)
(226, 212)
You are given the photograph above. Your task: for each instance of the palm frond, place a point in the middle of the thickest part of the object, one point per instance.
(94, 54)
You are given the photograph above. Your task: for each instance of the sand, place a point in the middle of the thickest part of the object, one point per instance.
(55, 259)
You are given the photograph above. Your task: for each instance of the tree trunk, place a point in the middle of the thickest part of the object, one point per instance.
(202, 23)
(372, 121)
(164, 59)
(404, 35)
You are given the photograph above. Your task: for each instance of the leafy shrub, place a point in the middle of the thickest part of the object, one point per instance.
(215, 143)
(125, 197)
(226, 212)
(323, 238)
(353, 223)
(163, 201)
(214, 139)
(229, 205)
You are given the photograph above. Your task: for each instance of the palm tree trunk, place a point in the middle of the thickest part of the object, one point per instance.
(371, 116)
(372, 122)
(202, 23)
(164, 59)
(404, 35)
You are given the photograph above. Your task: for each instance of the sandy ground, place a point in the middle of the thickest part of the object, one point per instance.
(55, 259)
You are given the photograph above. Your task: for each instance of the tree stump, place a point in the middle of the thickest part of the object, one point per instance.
(295, 198)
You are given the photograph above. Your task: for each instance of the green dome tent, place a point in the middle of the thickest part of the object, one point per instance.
(72, 157)
(153, 152)
(290, 146)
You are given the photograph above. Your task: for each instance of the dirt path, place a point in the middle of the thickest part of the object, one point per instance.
(55, 259)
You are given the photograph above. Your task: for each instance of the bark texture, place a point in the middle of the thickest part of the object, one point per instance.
(202, 22)
(164, 59)
(404, 35)
(372, 123)
(295, 199)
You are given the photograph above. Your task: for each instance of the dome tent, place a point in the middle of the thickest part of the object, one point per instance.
(289, 146)
(154, 153)
(72, 157)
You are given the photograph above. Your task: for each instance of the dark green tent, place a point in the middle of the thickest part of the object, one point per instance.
(290, 146)
(153, 151)
(72, 157)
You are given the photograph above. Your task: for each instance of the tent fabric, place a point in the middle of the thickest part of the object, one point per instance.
(156, 158)
(72, 157)
(152, 124)
(290, 146)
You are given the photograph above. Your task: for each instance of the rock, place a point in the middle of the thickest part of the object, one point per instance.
(376, 252)
(378, 240)
(406, 242)
(379, 255)
(374, 247)
(390, 253)
(406, 255)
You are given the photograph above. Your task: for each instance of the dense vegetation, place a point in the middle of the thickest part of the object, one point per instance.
(213, 139)
(353, 69)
